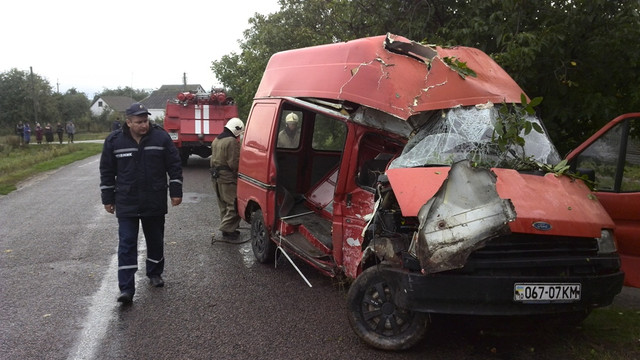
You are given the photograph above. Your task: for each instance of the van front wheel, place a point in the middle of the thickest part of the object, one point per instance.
(376, 319)
(263, 248)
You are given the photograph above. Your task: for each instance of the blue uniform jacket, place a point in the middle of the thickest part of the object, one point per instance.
(134, 176)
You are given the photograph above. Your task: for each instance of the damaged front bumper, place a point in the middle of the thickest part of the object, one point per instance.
(490, 294)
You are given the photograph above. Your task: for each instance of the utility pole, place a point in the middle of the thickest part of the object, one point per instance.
(184, 81)
(33, 95)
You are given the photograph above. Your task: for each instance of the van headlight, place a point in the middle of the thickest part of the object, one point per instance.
(606, 242)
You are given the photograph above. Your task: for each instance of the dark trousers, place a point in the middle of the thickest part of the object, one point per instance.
(153, 229)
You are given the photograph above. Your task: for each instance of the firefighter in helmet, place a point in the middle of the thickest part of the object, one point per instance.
(289, 137)
(225, 156)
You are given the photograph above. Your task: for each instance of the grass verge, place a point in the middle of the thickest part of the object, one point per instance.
(19, 163)
(608, 333)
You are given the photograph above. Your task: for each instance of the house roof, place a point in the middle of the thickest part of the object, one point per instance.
(158, 98)
(118, 103)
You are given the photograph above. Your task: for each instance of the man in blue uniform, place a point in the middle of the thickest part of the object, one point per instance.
(134, 166)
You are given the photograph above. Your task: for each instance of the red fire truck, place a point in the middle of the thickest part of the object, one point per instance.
(193, 120)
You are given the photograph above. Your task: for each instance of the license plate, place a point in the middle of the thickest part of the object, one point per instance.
(546, 292)
(174, 136)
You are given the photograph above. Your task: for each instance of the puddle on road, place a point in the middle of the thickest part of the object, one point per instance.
(247, 254)
(244, 247)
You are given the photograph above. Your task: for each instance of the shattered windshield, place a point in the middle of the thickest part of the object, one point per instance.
(466, 133)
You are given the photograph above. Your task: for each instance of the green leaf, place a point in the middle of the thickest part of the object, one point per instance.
(537, 127)
(536, 101)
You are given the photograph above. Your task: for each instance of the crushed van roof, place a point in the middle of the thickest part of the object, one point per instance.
(388, 73)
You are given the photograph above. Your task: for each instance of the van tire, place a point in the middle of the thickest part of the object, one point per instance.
(263, 248)
(364, 299)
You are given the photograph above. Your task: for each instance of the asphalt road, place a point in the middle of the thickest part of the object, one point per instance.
(58, 289)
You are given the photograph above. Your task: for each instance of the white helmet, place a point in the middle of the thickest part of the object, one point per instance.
(236, 126)
(291, 117)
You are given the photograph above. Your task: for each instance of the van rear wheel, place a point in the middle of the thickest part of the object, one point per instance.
(376, 319)
(263, 248)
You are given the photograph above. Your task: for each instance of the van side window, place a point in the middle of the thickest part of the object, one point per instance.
(374, 154)
(289, 133)
(328, 134)
(615, 158)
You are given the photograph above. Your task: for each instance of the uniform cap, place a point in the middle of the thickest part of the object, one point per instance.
(137, 109)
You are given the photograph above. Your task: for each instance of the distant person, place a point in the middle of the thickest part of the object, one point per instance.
(48, 133)
(225, 150)
(71, 130)
(60, 131)
(134, 167)
(116, 125)
(38, 133)
(20, 132)
(27, 133)
(289, 137)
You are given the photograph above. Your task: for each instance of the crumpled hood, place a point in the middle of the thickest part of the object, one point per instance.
(566, 204)
(546, 205)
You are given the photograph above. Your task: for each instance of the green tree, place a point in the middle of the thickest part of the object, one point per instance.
(29, 98)
(74, 106)
(25, 97)
(299, 23)
(581, 56)
(136, 94)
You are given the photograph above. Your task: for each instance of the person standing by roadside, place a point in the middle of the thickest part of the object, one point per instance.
(116, 125)
(20, 132)
(71, 130)
(59, 131)
(134, 166)
(48, 133)
(38, 133)
(225, 156)
(27, 133)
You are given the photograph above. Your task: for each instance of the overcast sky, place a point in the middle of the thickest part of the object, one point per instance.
(91, 45)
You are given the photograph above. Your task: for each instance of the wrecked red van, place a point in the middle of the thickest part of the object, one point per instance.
(379, 159)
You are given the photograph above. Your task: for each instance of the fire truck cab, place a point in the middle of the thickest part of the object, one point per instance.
(193, 120)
